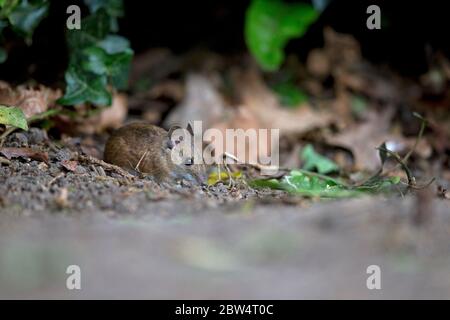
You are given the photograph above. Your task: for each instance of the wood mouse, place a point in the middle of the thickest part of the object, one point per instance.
(146, 148)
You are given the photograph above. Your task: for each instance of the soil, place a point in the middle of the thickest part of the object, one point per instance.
(134, 238)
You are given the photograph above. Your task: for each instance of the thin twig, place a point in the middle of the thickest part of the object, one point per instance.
(106, 166)
(423, 125)
(403, 162)
(411, 179)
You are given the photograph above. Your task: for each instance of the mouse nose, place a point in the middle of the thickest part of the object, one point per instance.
(190, 178)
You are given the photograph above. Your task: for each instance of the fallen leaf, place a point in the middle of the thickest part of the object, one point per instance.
(13, 116)
(32, 100)
(362, 139)
(214, 177)
(202, 102)
(310, 184)
(110, 117)
(241, 118)
(70, 165)
(318, 63)
(313, 160)
(169, 88)
(259, 100)
(113, 116)
(154, 65)
(25, 153)
(341, 49)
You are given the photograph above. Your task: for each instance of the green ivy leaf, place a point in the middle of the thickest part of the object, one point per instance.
(7, 6)
(115, 66)
(114, 9)
(26, 16)
(23, 16)
(310, 184)
(94, 29)
(84, 86)
(312, 160)
(97, 60)
(13, 116)
(270, 24)
(114, 44)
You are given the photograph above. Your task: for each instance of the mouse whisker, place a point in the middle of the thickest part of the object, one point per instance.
(140, 160)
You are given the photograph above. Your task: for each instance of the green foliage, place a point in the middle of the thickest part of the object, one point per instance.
(26, 16)
(358, 105)
(13, 116)
(289, 94)
(3, 53)
(84, 86)
(98, 59)
(270, 24)
(114, 9)
(115, 65)
(314, 161)
(310, 184)
(23, 16)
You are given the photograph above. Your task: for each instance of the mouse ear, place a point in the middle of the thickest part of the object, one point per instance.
(172, 129)
(190, 129)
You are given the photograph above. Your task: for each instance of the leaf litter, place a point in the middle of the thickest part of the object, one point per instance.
(348, 117)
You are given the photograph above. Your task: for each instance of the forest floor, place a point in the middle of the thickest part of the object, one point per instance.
(137, 239)
(60, 205)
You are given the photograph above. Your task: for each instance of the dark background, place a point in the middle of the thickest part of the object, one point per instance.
(408, 28)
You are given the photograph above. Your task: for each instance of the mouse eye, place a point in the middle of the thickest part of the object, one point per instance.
(189, 162)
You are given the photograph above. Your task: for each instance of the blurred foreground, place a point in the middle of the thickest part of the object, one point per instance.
(232, 251)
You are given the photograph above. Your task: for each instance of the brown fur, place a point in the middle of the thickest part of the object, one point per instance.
(145, 148)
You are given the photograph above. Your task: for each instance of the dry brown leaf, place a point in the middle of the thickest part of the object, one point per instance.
(318, 63)
(341, 57)
(169, 88)
(363, 139)
(114, 116)
(108, 118)
(32, 100)
(25, 153)
(202, 102)
(341, 49)
(260, 109)
(243, 119)
(154, 65)
(70, 165)
(259, 100)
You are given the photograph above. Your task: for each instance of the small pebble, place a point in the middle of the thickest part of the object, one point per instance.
(20, 138)
(37, 136)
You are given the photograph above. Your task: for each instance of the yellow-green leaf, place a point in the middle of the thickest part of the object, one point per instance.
(214, 177)
(13, 116)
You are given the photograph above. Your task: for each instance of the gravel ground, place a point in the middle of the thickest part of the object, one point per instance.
(137, 239)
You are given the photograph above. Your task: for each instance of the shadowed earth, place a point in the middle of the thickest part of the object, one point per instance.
(180, 249)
